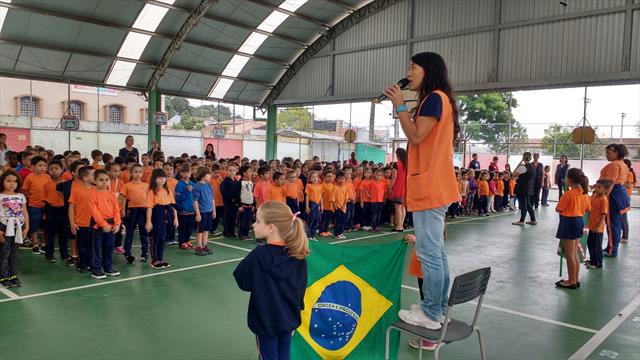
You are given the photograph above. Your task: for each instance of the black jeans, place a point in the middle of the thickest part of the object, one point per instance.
(524, 202)
(535, 198)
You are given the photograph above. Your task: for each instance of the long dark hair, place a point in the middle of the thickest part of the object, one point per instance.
(401, 153)
(578, 177)
(437, 78)
(5, 175)
(156, 173)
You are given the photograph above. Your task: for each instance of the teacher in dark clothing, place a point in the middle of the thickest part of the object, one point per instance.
(561, 174)
(128, 150)
(474, 164)
(537, 181)
(524, 189)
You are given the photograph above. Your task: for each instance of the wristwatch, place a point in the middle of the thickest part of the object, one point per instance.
(402, 108)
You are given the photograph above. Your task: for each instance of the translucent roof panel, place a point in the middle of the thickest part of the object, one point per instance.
(120, 73)
(150, 17)
(133, 45)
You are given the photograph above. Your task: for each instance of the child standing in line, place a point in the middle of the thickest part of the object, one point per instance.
(80, 217)
(204, 207)
(546, 185)
(64, 189)
(105, 218)
(365, 200)
(492, 192)
(340, 204)
(453, 208)
(56, 215)
(184, 206)
(293, 188)
(160, 211)
(464, 190)
(597, 217)
(377, 191)
(499, 191)
(277, 191)
(277, 294)
(483, 193)
(357, 207)
(512, 192)
(135, 202)
(147, 168)
(351, 199)
(25, 168)
(230, 189)
(245, 211)
(216, 181)
(14, 225)
(261, 188)
(34, 189)
(313, 204)
(572, 206)
(172, 182)
(473, 189)
(96, 156)
(327, 204)
(115, 186)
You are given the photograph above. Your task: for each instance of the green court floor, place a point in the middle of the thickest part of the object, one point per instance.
(194, 310)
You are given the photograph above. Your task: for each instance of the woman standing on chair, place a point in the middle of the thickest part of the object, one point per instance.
(432, 131)
(619, 202)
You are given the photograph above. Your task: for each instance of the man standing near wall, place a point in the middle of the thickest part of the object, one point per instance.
(537, 182)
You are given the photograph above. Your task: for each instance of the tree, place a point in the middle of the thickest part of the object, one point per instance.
(557, 140)
(295, 119)
(486, 118)
(189, 122)
(176, 105)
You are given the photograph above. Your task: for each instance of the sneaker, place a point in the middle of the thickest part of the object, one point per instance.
(81, 270)
(209, 251)
(119, 250)
(186, 246)
(426, 345)
(164, 264)
(519, 223)
(143, 258)
(68, 262)
(216, 233)
(7, 283)
(51, 259)
(356, 227)
(377, 230)
(325, 234)
(156, 265)
(243, 238)
(312, 239)
(624, 241)
(200, 251)
(486, 214)
(366, 228)
(112, 272)
(35, 250)
(532, 222)
(172, 242)
(341, 236)
(98, 276)
(418, 318)
(130, 259)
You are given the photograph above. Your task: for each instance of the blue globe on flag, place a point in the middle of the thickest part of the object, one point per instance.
(335, 315)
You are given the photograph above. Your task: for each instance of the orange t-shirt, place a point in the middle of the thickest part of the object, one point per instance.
(115, 186)
(314, 193)
(357, 187)
(364, 190)
(278, 193)
(162, 197)
(52, 197)
(377, 190)
(340, 197)
(512, 187)
(327, 196)
(81, 200)
(599, 207)
(96, 165)
(171, 183)
(146, 174)
(351, 191)
(573, 203)
(615, 171)
(294, 190)
(483, 188)
(136, 194)
(125, 177)
(217, 195)
(66, 176)
(629, 183)
(35, 185)
(104, 205)
(499, 187)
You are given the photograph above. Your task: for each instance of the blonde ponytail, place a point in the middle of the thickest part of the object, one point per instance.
(296, 240)
(290, 228)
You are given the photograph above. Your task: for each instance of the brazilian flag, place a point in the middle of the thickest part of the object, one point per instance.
(353, 294)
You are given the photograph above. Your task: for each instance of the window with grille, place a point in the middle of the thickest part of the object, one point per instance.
(75, 109)
(28, 106)
(115, 114)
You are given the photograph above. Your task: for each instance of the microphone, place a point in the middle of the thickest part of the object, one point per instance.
(403, 85)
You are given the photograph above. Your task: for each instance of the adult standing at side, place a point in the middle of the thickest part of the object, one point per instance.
(431, 181)
(155, 147)
(352, 160)
(561, 174)
(493, 165)
(524, 189)
(398, 184)
(619, 202)
(209, 153)
(474, 163)
(128, 150)
(3, 149)
(537, 180)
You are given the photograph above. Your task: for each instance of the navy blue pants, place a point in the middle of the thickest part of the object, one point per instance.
(594, 243)
(161, 215)
(274, 348)
(186, 223)
(293, 205)
(349, 216)
(618, 201)
(230, 216)
(136, 217)
(366, 214)
(57, 224)
(313, 220)
(376, 213)
(218, 218)
(341, 219)
(83, 243)
(483, 206)
(497, 202)
(102, 250)
(357, 213)
(325, 220)
(244, 220)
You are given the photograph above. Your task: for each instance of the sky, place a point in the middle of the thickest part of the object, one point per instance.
(536, 110)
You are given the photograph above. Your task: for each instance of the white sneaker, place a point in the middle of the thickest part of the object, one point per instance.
(418, 318)
(366, 228)
(416, 307)
(426, 345)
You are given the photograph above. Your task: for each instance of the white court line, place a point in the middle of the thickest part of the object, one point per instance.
(230, 246)
(597, 339)
(165, 272)
(9, 293)
(528, 316)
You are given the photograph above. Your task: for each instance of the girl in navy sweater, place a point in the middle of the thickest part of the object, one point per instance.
(276, 276)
